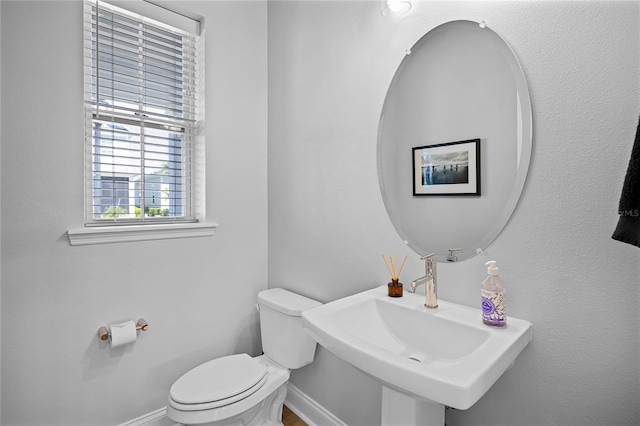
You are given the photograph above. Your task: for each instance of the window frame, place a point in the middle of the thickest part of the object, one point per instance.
(103, 108)
(108, 230)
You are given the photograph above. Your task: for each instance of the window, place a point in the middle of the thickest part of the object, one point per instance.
(141, 121)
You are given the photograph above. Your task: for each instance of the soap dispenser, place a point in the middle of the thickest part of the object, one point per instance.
(493, 297)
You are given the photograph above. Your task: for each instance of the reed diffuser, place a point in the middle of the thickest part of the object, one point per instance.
(395, 286)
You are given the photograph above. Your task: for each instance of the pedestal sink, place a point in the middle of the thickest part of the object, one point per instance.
(426, 359)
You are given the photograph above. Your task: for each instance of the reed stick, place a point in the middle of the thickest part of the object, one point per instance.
(392, 265)
(402, 266)
(393, 268)
(387, 265)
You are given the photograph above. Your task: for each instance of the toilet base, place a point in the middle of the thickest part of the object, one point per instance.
(267, 413)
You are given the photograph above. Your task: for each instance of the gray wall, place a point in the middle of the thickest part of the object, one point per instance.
(197, 294)
(330, 64)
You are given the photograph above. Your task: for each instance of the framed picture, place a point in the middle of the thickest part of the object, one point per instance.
(451, 168)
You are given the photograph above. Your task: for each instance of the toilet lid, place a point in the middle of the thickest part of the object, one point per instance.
(219, 380)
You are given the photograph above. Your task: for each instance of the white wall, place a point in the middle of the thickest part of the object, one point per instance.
(197, 294)
(330, 64)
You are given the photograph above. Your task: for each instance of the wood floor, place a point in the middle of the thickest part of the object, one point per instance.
(289, 418)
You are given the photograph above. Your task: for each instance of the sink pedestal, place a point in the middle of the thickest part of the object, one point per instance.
(401, 409)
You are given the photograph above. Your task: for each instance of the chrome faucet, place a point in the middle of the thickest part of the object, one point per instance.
(429, 280)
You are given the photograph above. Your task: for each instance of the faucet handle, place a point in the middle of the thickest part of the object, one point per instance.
(427, 257)
(429, 264)
(452, 257)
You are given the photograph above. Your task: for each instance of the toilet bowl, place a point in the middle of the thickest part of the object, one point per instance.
(241, 390)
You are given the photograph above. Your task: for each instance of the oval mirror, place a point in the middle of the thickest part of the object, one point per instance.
(454, 140)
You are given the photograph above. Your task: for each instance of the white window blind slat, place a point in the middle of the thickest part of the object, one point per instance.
(140, 98)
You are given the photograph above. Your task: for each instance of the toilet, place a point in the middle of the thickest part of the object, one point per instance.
(241, 390)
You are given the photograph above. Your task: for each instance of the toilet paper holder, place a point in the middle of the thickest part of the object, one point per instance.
(103, 332)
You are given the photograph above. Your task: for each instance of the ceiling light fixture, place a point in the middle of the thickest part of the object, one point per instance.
(395, 7)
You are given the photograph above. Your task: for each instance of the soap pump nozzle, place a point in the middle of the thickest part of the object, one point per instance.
(492, 269)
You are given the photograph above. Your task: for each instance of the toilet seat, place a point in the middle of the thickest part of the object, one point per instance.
(195, 414)
(217, 383)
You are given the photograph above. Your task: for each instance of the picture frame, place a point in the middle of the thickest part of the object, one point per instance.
(446, 169)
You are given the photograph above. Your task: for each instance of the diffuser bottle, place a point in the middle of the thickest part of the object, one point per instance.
(493, 297)
(395, 288)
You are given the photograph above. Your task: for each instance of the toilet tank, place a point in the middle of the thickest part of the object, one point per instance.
(283, 339)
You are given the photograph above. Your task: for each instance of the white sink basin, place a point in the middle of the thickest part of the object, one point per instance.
(445, 355)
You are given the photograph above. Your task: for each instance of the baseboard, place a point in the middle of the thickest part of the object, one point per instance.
(155, 418)
(309, 410)
(299, 402)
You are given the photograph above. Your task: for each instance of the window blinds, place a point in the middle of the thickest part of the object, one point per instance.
(140, 103)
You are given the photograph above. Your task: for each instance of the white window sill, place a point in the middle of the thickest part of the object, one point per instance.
(126, 233)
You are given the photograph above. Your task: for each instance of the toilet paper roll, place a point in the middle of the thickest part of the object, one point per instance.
(123, 333)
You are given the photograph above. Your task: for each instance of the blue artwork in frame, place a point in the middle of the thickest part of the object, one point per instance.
(451, 168)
